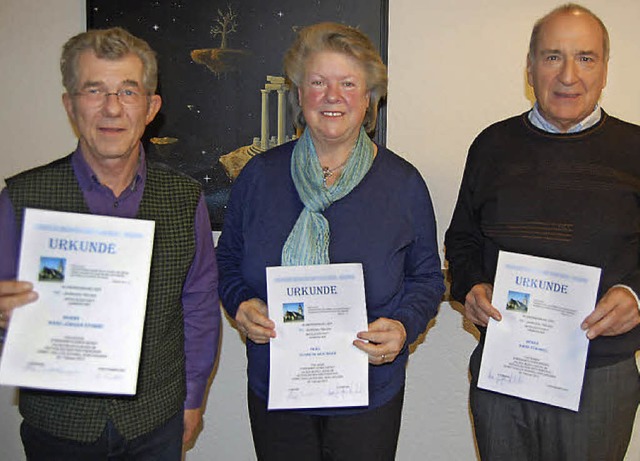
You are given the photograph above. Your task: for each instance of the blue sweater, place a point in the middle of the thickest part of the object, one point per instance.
(386, 223)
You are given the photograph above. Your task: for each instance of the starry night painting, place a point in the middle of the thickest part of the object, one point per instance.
(220, 66)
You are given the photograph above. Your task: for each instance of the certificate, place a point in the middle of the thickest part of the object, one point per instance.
(538, 350)
(84, 332)
(318, 311)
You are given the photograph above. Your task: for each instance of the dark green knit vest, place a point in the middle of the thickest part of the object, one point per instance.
(170, 200)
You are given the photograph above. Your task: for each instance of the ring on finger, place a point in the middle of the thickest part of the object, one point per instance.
(383, 357)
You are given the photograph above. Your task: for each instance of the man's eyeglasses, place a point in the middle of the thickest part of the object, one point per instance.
(98, 96)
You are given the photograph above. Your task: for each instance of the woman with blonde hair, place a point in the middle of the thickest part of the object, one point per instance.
(333, 196)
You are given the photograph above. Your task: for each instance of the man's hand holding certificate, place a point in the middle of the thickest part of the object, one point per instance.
(538, 350)
(318, 311)
(84, 332)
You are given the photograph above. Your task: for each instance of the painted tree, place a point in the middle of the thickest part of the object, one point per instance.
(225, 24)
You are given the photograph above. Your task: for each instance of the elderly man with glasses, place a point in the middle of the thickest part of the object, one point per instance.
(110, 78)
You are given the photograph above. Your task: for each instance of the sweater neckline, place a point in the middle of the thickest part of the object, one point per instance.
(564, 136)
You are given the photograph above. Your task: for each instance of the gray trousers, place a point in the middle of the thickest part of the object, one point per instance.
(512, 429)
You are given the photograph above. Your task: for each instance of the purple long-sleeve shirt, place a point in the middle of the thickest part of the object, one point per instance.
(200, 291)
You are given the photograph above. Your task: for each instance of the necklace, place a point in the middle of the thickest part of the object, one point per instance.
(328, 172)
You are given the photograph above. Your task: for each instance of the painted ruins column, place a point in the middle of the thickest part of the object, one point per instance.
(264, 128)
(282, 115)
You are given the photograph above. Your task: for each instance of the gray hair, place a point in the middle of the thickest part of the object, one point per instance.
(112, 44)
(329, 36)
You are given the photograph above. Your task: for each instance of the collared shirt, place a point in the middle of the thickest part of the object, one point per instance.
(536, 118)
(200, 291)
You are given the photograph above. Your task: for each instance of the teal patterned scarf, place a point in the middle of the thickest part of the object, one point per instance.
(308, 242)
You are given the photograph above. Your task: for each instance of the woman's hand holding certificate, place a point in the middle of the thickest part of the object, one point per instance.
(383, 341)
(253, 321)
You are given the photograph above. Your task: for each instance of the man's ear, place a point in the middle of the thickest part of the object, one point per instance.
(155, 102)
(529, 69)
(67, 102)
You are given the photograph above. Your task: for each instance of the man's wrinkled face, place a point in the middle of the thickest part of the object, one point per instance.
(569, 69)
(110, 127)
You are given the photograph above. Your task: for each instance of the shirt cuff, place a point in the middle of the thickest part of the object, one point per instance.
(195, 395)
(631, 292)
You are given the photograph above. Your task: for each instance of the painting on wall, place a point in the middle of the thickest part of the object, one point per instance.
(220, 76)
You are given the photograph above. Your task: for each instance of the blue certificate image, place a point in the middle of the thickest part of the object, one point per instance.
(293, 312)
(51, 269)
(518, 301)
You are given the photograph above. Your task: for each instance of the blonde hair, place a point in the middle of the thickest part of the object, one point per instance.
(329, 36)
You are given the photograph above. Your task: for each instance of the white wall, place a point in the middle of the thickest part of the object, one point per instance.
(454, 67)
